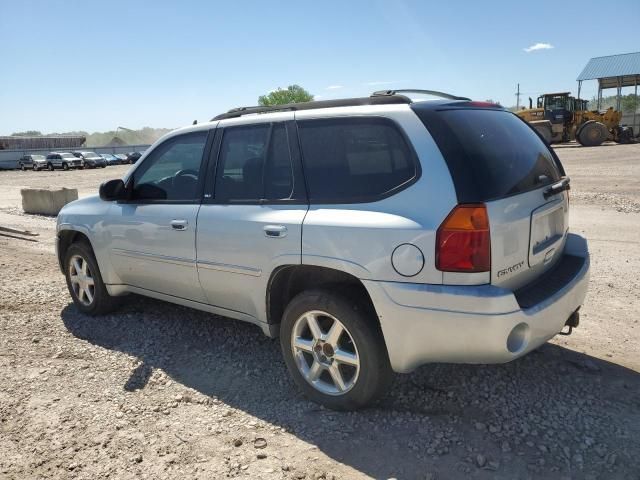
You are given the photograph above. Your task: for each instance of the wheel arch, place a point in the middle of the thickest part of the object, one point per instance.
(66, 238)
(288, 281)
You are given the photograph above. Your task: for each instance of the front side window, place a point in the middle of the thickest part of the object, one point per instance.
(354, 159)
(254, 164)
(172, 170)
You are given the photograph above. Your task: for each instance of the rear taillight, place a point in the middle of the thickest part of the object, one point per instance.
(463, 241)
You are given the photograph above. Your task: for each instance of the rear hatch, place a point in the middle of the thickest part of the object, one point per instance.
(498, 160)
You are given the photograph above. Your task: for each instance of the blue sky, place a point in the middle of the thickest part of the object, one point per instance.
(89, 65)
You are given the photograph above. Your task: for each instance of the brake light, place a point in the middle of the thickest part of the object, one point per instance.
(463, 241)
(483, 104)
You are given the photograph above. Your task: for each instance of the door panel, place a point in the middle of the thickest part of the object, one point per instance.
(251, 221)
(147, 251)
(236, 255)
(152, 240)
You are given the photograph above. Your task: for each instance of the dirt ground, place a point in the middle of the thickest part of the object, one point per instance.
(160, 391)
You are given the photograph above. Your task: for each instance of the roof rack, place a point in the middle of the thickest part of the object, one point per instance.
(382, 97)
(344, 102)
(435, 93)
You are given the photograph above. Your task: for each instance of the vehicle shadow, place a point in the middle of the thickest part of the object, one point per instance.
(554, 412)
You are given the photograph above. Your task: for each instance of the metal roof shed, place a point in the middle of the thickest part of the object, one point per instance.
(612, 71)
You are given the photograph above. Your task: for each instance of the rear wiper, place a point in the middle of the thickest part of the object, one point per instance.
(558, 187)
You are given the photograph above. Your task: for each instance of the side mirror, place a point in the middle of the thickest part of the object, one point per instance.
(113, 190)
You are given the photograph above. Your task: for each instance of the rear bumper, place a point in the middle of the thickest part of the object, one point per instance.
(476, 324)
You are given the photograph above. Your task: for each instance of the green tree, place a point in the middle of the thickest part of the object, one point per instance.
(27, 133)
(630, 102)
(627, 102)
(292, 94)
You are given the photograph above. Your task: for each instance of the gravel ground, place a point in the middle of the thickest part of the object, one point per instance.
(160, 391)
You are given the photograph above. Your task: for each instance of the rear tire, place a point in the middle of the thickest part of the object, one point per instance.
(85, 283)
(344, 371)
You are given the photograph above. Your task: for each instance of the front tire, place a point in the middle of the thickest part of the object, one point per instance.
(592, 134)
(65, 166)
(50, 167)
(22, 167)
(333, 350)
(85, 283)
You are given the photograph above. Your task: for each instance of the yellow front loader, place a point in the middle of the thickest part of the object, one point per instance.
(559, 117)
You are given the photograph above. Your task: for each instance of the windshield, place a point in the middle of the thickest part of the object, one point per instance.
(67, 155)
(37, 157)
(90, 155)
(556, 102)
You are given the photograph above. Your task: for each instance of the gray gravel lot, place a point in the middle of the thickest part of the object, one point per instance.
(160, 391)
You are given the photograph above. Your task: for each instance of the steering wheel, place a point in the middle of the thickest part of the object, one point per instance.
(186, 172)
(184, 181)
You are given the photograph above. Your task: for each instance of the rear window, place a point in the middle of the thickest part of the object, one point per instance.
(354, 159)
(491, 154)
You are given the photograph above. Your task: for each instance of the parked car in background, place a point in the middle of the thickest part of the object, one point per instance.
(91, 159)
(133, 157)
(123, 158)
(63, 160)
(111, 159)
(35, 162)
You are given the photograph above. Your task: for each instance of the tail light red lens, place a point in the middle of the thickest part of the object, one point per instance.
(463, 241)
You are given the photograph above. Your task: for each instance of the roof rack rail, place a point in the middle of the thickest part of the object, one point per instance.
(435, 93)
(382, 97)
(344, 102)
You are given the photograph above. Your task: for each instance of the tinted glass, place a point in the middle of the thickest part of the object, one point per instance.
(354, 159)
(279, 173)
(241, 163)
(253, 166)
(491, 154)
(172, 170)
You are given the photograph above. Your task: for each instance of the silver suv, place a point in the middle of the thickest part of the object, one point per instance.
(371, 235)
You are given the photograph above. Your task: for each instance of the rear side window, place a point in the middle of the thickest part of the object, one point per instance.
(354, 159)
(254, 164)
(491, 154)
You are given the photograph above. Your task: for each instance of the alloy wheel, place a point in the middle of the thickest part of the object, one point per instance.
(81, 279)
(325, 353)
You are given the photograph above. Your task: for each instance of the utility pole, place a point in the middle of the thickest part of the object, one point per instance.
(518, 98)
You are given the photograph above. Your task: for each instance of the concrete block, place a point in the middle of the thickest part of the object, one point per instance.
(46, 201)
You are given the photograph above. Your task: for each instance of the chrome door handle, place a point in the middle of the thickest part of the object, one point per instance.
(179, 224)
(275, 231)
